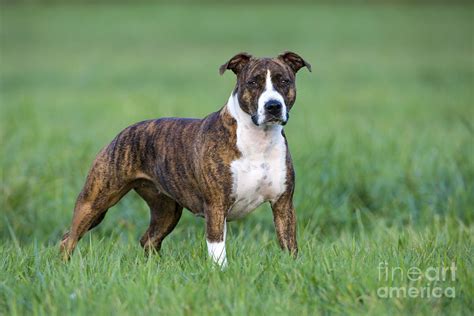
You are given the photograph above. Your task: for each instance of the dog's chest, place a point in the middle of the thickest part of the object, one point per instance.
(259, 175)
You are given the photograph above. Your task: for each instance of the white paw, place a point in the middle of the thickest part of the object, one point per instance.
(216, 251)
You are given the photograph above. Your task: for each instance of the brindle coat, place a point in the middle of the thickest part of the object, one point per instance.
(176, 163)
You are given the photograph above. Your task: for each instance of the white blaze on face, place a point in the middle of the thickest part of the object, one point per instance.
(216, 250)
(269, 94)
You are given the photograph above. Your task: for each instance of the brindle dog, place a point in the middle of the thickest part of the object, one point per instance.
(220, 167)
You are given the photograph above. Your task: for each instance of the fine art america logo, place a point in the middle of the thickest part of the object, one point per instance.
(422, 283)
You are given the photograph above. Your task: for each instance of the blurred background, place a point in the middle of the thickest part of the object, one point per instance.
(381, 134)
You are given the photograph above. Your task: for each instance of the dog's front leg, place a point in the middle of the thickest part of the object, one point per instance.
(215, 236)
(285, 223)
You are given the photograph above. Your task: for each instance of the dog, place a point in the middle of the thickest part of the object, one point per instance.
(220, 167)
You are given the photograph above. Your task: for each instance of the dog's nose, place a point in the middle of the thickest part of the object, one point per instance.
(273, 106)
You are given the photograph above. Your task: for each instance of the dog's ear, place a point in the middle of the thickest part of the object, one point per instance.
(236, 63)
(295, 61)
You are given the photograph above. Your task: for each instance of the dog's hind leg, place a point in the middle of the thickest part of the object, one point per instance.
(98, 195)
(164, 216)
(96, 222)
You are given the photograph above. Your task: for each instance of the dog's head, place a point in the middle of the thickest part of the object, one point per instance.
(266, 87)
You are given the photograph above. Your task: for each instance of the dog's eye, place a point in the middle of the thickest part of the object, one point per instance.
(285, 82)
(252, 82)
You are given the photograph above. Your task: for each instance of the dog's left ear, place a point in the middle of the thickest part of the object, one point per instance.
(236, 63)
(295, 61)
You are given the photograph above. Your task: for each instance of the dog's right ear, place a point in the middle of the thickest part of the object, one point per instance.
(236, 63)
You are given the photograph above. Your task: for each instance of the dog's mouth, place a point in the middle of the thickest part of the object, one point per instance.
(270, 120)
(255, 119)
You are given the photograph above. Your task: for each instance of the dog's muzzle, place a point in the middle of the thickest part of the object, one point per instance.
(273, 108)
(274, 113)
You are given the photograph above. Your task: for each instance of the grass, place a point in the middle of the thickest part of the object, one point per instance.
(381, 138)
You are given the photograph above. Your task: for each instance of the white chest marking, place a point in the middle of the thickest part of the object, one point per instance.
(259, 175)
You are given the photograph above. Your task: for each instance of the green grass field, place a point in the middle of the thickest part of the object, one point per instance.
(381, 137)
